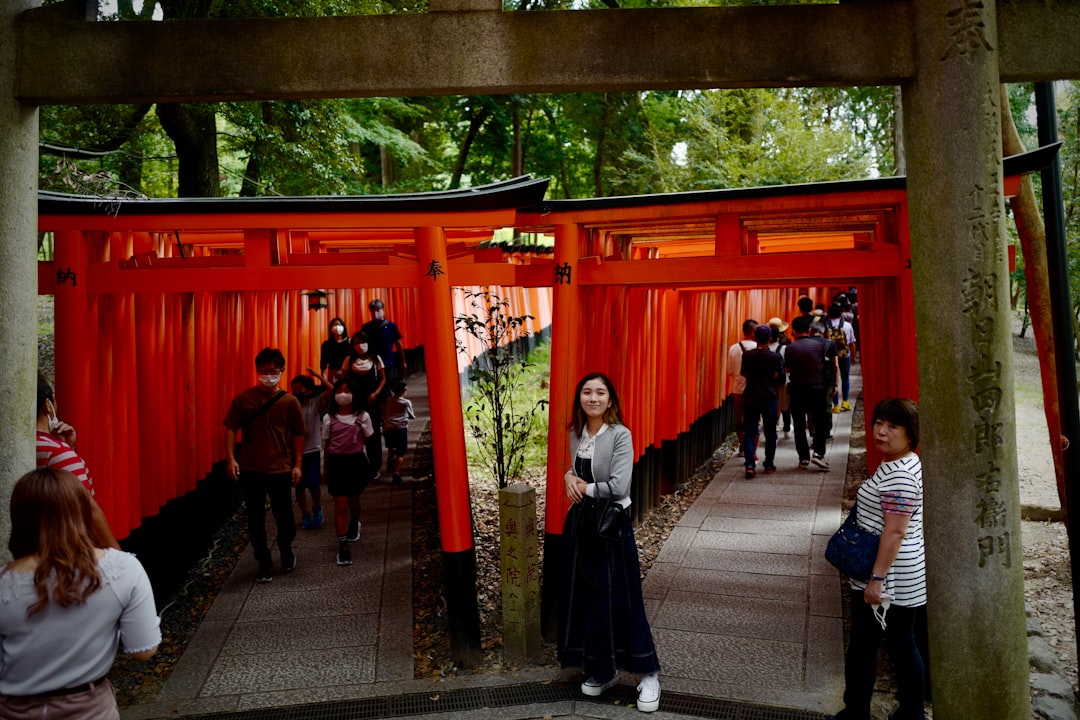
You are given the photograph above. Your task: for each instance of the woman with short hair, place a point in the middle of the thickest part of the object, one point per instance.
(884, 608)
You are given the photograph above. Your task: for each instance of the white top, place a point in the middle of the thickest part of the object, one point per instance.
(896, 488)
(734, 364)
(62, 647)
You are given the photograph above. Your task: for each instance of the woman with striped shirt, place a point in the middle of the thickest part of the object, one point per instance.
(890, 505)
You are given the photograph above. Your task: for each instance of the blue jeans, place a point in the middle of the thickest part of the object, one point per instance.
(753, 412)
(845, 379)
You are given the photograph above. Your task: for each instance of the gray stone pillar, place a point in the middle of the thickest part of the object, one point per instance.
(952, 129)
(520, 561)
(18, 270)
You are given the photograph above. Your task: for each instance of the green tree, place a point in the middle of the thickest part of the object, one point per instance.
(493, 414)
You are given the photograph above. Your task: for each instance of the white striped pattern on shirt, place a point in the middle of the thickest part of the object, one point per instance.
(896, 487)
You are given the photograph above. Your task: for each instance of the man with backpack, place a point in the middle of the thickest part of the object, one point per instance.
(843, 336)
(264, 445)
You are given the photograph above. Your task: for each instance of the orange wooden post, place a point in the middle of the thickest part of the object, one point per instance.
(72, 337)
(448, 446)
(565, 354)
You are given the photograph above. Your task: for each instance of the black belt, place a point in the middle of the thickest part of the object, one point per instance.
(66, 691)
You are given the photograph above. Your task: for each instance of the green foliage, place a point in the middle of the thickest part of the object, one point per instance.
(498, 417)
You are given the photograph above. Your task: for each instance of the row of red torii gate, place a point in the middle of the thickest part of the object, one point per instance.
(162, 304)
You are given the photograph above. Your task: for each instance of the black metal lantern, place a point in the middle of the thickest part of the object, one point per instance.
(316, 299)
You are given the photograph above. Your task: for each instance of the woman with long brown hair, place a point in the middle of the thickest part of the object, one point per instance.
(65, 605)
(602, 623)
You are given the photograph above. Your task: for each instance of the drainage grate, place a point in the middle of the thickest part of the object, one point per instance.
(457, 701)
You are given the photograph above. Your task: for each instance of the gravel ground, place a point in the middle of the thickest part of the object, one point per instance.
(1047, 571)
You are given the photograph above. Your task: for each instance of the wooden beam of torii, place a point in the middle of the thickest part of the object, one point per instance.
(68, 60)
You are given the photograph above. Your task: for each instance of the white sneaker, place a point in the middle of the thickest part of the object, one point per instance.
(648, 699)
(593, 687)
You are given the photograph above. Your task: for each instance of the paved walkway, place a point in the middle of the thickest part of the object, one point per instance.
(743, 608)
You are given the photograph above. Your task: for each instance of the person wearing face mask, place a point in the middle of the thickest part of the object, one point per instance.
(367, 377)
(334, 350)
(264, 447)
(602, 622)
(386, 341)
(314, 402)
(345, 431)
(56, 449)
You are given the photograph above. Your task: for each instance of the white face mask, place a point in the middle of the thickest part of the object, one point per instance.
(270, 380)
(363, 347)
(54, 419)
(343, 398)
(377, 314)
(338, 329)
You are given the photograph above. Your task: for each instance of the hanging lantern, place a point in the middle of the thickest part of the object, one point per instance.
(316, 299)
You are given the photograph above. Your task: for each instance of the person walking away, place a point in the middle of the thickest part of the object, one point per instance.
(602, 622)
(314, 402)
(398, 413)
(764, 371)
(385, 338)
(843, 336)
(804, 360)
(55, 444)
(738, 381)
(333, 351)
(780, 340)
(817, 332)
(264, 449)
(890, 504)
(67, 605)
(345, 430)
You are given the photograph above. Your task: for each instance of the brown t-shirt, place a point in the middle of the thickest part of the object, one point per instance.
(265, 445)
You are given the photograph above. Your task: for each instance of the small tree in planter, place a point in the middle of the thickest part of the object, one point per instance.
(493, 415)
(502, 428)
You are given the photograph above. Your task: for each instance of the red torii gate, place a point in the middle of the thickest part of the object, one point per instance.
(152, 285)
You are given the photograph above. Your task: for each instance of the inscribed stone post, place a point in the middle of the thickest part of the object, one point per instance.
(18, 268)
(978, 650)
(520, 573)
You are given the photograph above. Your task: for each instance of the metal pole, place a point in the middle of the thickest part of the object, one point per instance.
(1057, 259)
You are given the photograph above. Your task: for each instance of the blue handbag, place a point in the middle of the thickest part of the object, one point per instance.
(853, 550)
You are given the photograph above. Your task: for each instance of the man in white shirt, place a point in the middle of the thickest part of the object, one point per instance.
(734, 371)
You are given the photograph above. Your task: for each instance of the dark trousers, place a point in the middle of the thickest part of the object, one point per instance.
(810, 401)
(256, 487)
(374, 443)
(754, 411)
(860, 667)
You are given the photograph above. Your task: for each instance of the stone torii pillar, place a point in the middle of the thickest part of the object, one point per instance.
(952, 130)
(18, 268)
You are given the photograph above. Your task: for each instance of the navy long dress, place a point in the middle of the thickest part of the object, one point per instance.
(602, 623)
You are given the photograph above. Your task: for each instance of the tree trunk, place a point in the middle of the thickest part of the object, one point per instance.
(517, 156)
(193, 129)
(249, 186)
(388, 167)
(899, 161)
(1032, 232)
(601, 146)
(475, 124)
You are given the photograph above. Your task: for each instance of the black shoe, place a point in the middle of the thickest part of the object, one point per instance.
(288, 562)
(265, 575)
(750, 473)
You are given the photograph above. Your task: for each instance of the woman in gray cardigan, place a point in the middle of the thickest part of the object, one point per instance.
(602, 623)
